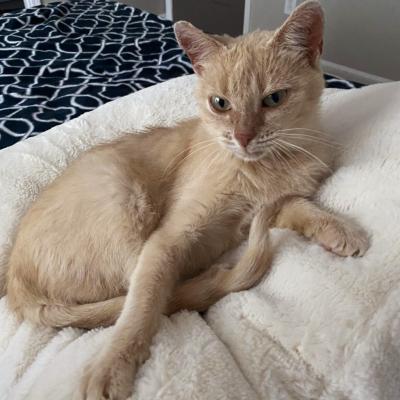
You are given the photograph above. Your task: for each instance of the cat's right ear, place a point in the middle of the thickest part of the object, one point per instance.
(303, 31)
(197, 45)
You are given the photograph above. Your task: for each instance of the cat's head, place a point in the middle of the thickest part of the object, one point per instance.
(252, 87)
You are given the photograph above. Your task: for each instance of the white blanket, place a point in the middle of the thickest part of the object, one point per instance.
(318, 327)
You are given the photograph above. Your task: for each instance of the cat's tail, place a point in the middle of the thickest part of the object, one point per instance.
(86, 316)
(256, 259)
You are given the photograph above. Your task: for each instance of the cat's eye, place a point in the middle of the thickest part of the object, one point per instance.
(220, 104)
(274, 99)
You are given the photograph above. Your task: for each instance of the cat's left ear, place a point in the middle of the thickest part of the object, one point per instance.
(197, 45)
(303, 31)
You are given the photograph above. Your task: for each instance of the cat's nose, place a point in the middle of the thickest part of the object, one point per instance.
(243, 138)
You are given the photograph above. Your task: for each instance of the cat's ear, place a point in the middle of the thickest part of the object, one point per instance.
(303, 31)
(196, 44)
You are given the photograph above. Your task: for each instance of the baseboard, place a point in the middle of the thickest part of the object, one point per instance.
(351, 74)
(31, 3)
(246, 16)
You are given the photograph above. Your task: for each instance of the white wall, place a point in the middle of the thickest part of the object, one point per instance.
(361, 34)
(362, 37)
(154, 6)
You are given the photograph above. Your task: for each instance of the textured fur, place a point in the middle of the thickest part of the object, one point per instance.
(154, 211)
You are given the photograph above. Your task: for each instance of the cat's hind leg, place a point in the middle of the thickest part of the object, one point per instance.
(72, 258)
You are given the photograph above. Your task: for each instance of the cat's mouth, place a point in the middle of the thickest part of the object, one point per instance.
(253, 152)
(247, 155)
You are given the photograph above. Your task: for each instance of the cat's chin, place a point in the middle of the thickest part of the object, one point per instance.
(248, 157)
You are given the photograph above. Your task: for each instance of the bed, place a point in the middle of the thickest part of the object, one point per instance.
(64, 59)
(61, 60)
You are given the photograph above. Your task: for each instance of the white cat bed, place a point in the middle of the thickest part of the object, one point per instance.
(318, 327)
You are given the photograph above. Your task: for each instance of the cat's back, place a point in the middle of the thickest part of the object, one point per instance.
(134, 158)
(106, 175)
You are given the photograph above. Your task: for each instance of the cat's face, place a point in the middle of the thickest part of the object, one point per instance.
(255, 91)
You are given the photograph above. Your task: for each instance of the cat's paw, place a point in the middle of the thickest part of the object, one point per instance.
(343, 238)
(109, 377)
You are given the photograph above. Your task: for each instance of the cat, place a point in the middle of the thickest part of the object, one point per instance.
(134, 228)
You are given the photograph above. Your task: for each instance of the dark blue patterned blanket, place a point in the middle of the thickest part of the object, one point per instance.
(61, 60)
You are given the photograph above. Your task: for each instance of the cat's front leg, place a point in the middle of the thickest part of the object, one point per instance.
(335, 233)
(112, 372)
(161, 264)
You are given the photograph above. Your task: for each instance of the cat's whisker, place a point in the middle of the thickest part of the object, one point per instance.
(226, 156)
(321, 133)
(171, 162)
(306, 152)
(206, 162)
(305, 129)
(227, 142)
(322, 137)
(291, 156)
(213, 160)
(278, 156)
(310, 138)
(213, 141)
(185, 158)
(182, 152)
(204, 141)
(287, 149)
(287, 155)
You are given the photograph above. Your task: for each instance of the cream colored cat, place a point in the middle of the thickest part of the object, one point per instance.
(133, 228)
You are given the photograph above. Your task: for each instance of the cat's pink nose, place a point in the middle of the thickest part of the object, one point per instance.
(243, 138)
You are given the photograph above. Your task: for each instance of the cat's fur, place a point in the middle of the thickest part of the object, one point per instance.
(133, 228)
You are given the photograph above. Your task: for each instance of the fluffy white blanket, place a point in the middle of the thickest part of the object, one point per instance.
(318, 327)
